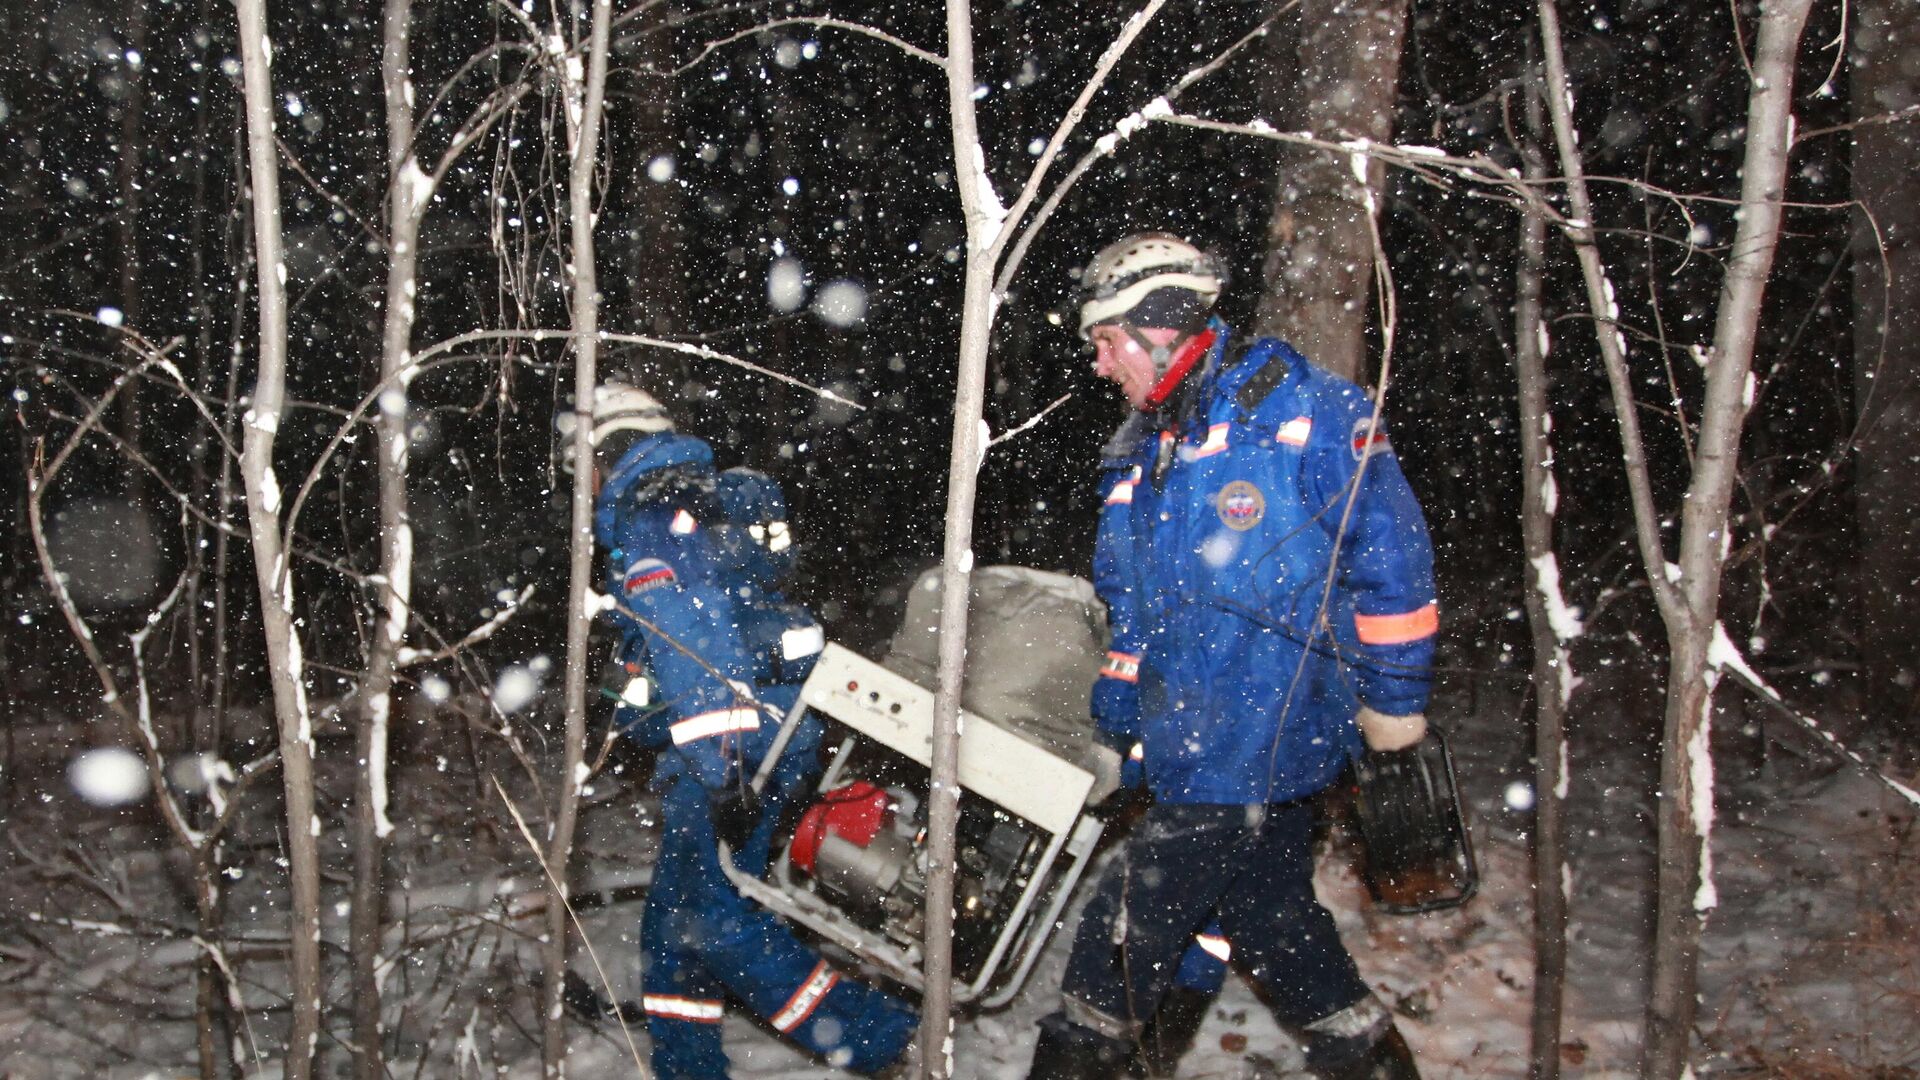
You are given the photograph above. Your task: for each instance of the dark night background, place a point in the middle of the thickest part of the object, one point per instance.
(862, 130)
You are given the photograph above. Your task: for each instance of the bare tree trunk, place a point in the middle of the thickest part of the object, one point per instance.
(406, 190)
(1551, 622)
(271, 564)
(993, 235)
(1319, 264)
(207, 986)
(1886, 355)
(1688, 593)
(984, 217)
(1613, 345)
(1686, 768)
(584, 106)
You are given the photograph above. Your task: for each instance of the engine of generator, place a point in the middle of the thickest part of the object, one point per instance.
(865, 846)
(854, 867)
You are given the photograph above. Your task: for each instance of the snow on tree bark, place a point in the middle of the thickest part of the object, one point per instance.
(585, 96)
(1553, 625)
(1319, 265)
(1688, 592)
(285, 666)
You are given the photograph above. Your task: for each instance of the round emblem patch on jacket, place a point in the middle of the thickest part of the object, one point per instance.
(1240, 505)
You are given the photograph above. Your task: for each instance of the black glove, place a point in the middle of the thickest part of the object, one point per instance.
(734, 810)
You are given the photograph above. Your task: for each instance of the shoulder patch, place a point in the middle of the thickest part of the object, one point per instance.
(647, 574)
(1361, 442)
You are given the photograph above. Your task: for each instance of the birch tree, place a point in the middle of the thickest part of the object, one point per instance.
(410, 189)
(1552, 624)
(407, 191)
(1687, 592)
(995, 242)
(583, 86)
(271, 563)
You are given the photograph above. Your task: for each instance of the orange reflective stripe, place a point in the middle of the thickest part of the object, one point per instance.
(1215, 945)
(1295, 431)
(675, 1007)
(806, 999)
(1397, 629)
(1215, 443)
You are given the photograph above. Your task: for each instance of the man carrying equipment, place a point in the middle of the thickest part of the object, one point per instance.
(694, 557)
(1270, 590)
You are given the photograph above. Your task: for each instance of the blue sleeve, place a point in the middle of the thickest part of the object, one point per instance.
(1116, 692)
(645, 725)
(1385, 556)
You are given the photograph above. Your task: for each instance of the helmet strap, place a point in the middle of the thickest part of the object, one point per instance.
(1180, 356)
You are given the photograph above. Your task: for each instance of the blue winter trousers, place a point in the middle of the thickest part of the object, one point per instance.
(1248, 867)
(703, 942)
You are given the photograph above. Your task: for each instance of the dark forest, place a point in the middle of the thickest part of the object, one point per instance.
(789, 234)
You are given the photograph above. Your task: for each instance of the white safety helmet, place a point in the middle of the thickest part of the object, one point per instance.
(1130, 269)
(619, 407)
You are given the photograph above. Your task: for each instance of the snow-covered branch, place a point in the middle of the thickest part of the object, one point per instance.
(1726, 657)
(862, 29)
(1606, 312)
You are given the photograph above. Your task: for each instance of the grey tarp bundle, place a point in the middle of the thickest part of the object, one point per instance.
(1035, 643)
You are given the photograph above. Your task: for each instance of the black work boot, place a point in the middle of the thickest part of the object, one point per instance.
(1387, 1059)
(1169, 1035)
(1067, 1051)
(1359, 1043)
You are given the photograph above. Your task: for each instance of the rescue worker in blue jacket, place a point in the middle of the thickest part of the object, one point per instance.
(1269, 582)
(694, 557)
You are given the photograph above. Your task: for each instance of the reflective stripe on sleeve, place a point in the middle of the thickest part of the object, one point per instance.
(1397, 629)
(806, 999)
(673, 1007)
(1122, 666)
(683, 523)
(718, 722)
(1122, 492)
(1295, 431)
(1215, 946)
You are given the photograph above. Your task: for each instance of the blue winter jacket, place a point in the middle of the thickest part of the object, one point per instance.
(1233, 664)
(725, 653)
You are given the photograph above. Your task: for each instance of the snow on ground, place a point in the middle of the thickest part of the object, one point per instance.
(1802, 968)
(1808, 968)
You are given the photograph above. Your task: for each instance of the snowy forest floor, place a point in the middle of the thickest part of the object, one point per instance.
(1810, 965)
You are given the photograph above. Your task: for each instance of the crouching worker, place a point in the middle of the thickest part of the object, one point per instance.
(722, 656)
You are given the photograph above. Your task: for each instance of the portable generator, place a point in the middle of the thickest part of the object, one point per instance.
(854, 868)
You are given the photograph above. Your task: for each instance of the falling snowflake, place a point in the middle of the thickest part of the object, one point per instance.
(109, 776)
(841, 303)
(515, 689)
(786, 285)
